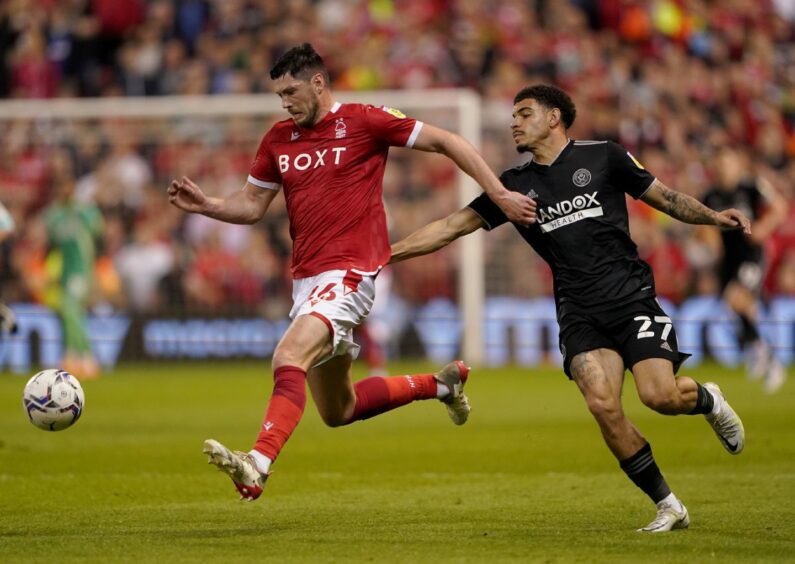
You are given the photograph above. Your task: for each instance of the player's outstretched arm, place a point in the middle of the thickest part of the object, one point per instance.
(517, 207)
(689, 210)
(436, 235)
(246, 206)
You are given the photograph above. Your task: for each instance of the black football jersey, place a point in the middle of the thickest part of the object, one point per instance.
(746, 198)
(582, 226)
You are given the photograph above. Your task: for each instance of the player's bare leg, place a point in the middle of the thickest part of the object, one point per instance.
(599, 374)
(665, 393)
(306, 340)
(331, 386)
(659, 389)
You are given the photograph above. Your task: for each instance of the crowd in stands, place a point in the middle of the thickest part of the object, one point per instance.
(674, 81)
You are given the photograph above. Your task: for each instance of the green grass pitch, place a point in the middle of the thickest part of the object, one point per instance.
(527, 479)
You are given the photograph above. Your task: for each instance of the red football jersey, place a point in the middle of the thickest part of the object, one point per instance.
(332, 175)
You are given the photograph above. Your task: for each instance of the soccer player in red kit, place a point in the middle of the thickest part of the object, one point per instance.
(329, 160)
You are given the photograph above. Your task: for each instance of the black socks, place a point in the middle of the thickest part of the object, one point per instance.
(704, 403)
(644, 473)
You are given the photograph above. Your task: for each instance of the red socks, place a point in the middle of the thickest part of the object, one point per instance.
(378, 394)
(374, 396)
(284, 410)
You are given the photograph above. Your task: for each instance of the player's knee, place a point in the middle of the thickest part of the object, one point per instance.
(335, 419)
(662, 401)
(286, 356)
(604, 409)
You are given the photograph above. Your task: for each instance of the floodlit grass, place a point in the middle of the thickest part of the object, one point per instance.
(527, 479)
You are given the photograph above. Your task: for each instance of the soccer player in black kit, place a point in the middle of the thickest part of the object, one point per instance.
(609, 317)
(742, 265)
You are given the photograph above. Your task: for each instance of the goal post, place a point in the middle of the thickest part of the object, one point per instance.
(466, 105)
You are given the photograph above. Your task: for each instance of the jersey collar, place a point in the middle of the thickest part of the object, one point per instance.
(553, 161)
(332, 110)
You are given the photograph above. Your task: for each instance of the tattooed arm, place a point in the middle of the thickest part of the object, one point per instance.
(689, 210)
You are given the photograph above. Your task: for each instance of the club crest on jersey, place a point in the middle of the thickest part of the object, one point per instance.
(339, 129)
(394, 112)
(581, 177)
(532, 194)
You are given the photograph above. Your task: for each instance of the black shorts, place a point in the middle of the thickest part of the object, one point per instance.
(637, 331)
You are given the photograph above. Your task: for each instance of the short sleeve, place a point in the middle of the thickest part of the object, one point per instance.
(488, 211)
(392, 126)
(626, 172)
(263, 172)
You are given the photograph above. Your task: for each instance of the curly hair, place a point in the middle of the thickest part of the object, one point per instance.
(550, 97)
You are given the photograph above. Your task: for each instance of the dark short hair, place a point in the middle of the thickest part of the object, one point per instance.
(302, 62)
(550, 97)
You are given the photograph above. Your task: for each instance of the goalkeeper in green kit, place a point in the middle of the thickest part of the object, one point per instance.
(72, 229)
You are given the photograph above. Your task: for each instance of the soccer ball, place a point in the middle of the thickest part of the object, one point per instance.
(53, 399)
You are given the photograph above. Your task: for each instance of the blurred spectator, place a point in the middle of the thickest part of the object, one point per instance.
(72, 230)
(33, 74)
(142, 264)
(742, 268)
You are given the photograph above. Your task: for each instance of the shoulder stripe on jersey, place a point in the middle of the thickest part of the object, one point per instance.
(414, 133)
(335, 107)
(587, 142)
(263, 184)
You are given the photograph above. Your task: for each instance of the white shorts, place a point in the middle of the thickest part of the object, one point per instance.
(341, 299)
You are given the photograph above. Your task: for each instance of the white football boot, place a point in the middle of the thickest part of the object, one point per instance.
(725, 421)
(237, 465)
(454, 376)
(669, 517)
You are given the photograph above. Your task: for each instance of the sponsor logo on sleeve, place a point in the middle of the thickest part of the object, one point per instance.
(394, 112)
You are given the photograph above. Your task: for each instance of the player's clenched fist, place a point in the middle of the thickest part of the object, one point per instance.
(186, 195)
(518, 208)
